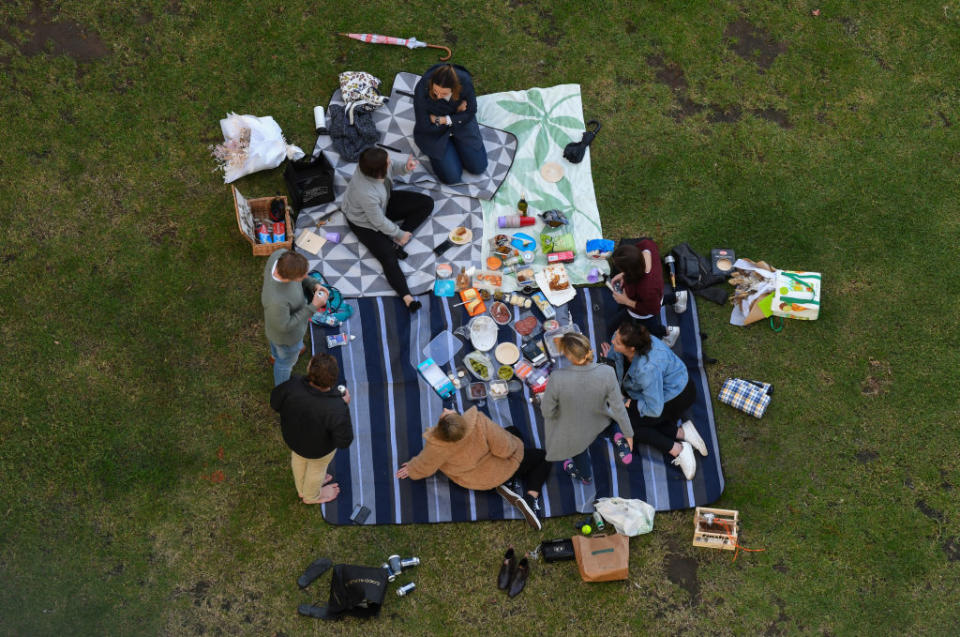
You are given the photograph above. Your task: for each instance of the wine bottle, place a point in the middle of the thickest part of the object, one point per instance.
(522, 205)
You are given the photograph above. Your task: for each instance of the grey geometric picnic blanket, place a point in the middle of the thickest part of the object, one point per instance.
(348, 265)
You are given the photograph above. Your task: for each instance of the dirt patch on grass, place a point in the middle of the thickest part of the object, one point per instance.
(878, 380)
(62, 37)
(753, 43)
(951, 546)
(682, 571)
(865, 456)
(449, 35)
(929, 511)
(672, 75)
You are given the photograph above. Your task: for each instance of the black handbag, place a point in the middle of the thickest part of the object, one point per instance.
(309, 181)
(558, 550)
(354, 590)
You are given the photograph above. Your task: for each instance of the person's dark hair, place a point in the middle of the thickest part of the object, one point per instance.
(292, 265)
(451, 427)
(628, 259)
(373, 163)
(635, 335)
(322, 370)
(445, 77)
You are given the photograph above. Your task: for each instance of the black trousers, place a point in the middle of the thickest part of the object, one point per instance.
(534, 468)
(660, 432)
(409, 209)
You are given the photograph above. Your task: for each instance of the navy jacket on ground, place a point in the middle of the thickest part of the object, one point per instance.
(433, 139)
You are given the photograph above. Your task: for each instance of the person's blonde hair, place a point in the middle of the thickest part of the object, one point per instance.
(576, 347)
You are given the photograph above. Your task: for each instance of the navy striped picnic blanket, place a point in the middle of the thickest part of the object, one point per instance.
(391, 406)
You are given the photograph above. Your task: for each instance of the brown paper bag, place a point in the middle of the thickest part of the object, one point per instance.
(602, 559)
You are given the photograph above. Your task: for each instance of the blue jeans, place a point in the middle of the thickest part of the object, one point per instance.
(456, 159)
(284, 358)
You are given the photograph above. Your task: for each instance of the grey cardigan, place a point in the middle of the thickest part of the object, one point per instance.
(365, 201)
(578, 404)
(286, 312)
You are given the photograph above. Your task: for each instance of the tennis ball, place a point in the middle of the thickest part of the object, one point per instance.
(586, 529)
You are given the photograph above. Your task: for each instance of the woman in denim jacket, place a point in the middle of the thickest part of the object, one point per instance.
(658, 391)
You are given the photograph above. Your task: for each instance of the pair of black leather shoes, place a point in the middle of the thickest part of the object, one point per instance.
(513, 576)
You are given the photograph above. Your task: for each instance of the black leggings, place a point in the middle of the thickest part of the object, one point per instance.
(534, 468)
(660, 432)
(410, 209)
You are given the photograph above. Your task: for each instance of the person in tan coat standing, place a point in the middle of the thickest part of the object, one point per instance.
(477, 453)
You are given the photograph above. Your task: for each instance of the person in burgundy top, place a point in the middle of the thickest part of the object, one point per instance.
(638, 287)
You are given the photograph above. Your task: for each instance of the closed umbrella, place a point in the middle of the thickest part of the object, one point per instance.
(410, 43)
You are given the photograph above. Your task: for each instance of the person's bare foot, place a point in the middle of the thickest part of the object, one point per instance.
(327, 494)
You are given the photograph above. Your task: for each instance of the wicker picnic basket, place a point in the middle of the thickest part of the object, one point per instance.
(250, 212)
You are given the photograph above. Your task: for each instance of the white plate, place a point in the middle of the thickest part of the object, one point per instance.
(462, 239)
(507, 353)
(556, 297)
(483, 332)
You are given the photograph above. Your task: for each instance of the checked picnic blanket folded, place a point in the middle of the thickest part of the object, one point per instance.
(391, 407)
(749, 396)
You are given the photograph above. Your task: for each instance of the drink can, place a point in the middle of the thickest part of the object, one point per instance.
(279, 232)
(406, 589)
(263, 234)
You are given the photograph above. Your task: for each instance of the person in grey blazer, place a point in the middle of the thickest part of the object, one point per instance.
(578, 405)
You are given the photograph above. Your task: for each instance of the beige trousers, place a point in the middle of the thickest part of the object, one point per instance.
(308, 474)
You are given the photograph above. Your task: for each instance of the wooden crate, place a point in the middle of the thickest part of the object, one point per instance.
(250, 211)
(722, 534)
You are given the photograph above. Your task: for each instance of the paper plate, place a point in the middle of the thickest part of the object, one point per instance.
(507, 353)
(461, 238)
(552, 172)
(556, 297)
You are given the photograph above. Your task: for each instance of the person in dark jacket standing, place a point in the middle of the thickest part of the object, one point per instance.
(315, 422)
(446, 129)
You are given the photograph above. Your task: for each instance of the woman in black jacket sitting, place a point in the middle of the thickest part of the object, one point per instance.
(446, 130)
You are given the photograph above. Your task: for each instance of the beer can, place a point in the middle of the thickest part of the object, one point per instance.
(406, 589)
(263, 234)
(279, 232)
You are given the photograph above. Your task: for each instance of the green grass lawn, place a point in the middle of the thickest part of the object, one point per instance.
(133, 359)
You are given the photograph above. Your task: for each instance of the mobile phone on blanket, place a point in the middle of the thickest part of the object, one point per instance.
(443, 247)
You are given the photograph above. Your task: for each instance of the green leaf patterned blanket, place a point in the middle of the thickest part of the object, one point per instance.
(544, 121)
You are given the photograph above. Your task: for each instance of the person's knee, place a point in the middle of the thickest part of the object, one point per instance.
(476, 163)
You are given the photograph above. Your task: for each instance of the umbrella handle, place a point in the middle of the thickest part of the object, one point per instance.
(447, 49)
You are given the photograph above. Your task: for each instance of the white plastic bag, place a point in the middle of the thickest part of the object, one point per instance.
(628, 517)
(251, 143)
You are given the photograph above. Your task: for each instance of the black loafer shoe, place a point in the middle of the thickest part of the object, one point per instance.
(506, 570)
(317, 568)
(401, 253)
(519, 579)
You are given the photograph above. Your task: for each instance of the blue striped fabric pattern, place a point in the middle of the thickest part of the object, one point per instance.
(391, 407)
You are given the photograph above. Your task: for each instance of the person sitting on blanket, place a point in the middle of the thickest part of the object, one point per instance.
(658, 390)
(638, 288)
(477, 453)
(578, 405)
(315, 422)
(446, 128)
(372, 209)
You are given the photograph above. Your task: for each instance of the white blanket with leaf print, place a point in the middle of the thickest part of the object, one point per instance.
(544, 121)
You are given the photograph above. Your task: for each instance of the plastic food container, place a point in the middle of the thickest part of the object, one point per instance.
(507, 353)
(499, 389)
(500, 312)
(505, 372)
(483, 333)
(550, 338)
(477, 391)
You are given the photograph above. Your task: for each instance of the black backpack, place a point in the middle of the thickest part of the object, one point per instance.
(695, 273)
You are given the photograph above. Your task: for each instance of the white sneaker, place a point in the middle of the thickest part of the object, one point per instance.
(680, 306)
(686, 460)
(673, 333)
(690, 435)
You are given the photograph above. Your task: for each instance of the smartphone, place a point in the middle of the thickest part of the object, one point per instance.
(360, 514)
(443, 247)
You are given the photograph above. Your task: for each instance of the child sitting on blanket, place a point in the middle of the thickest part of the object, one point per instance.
(333, 310)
